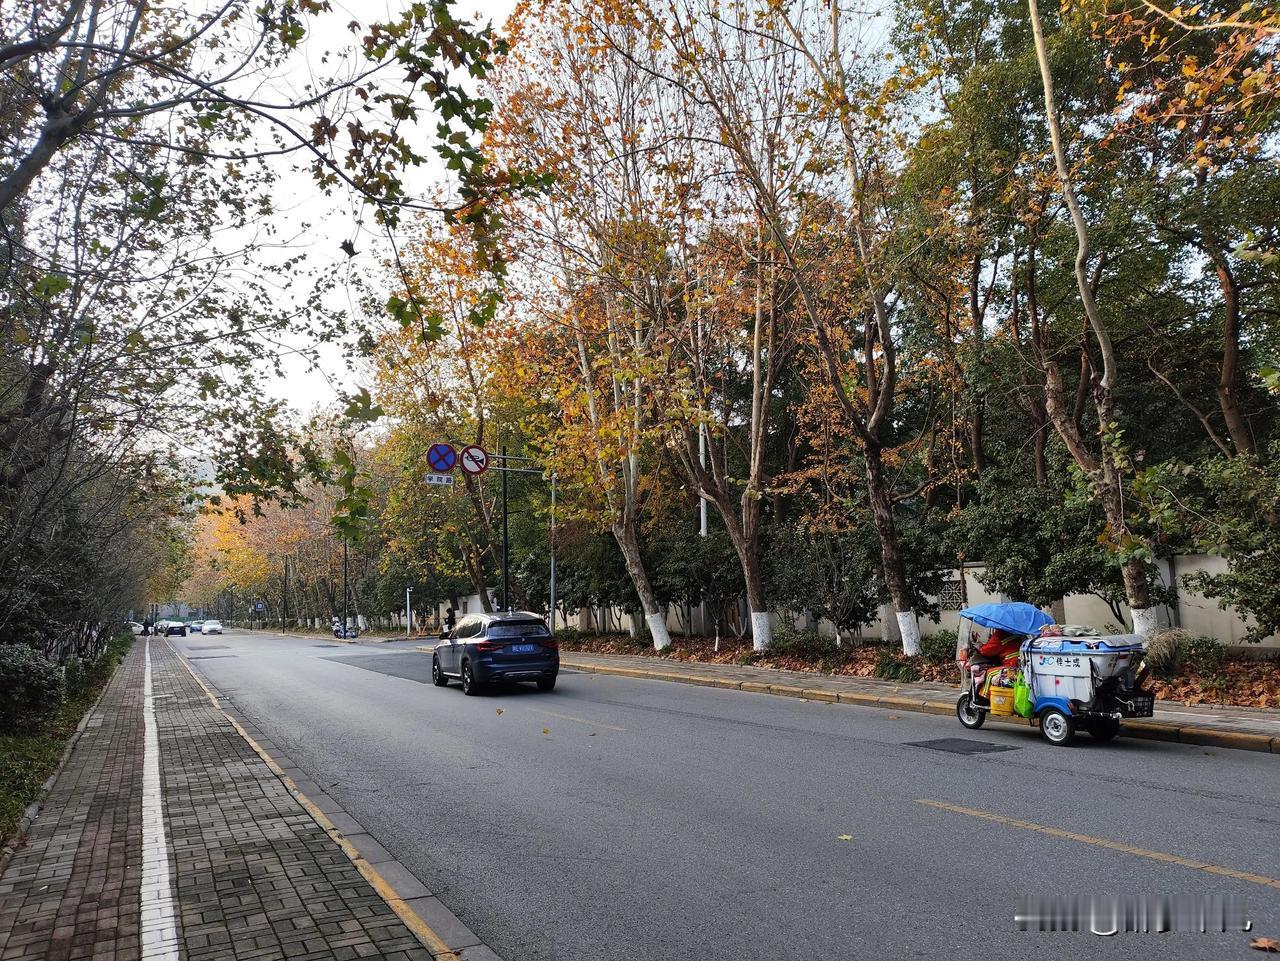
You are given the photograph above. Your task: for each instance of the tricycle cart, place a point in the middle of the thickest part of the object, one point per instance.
(1063, 682)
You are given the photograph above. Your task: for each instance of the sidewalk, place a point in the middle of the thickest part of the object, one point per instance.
(167, 835)
(1215, 725)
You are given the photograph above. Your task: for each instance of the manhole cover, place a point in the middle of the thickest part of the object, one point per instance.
(211, 647)
(962, 745)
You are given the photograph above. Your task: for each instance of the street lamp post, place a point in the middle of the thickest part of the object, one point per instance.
(408, 613)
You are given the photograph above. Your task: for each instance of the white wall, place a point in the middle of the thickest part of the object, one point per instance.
(1195, 613)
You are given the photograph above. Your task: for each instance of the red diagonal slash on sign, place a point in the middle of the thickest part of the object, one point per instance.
(442, 457)
(475, 460)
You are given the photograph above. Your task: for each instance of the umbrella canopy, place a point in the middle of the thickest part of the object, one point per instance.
(1016, 617)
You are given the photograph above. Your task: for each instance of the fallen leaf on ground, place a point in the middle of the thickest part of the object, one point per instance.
(592, 734)
(845, 837)
(546, 730)
(499, 712)
(1265, 944)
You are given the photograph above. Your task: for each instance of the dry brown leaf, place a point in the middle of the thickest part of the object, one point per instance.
(1270, 945)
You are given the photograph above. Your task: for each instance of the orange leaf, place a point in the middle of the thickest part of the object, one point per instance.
(1270, 945)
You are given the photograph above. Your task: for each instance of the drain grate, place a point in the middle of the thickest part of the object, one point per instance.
(326, 645)
(962, 745)
(211, 647)
(211, 657)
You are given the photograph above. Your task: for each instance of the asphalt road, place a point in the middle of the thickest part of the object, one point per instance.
(634, 820)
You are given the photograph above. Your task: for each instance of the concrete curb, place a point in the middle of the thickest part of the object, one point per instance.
(9, 846)
(1147, 730)
(411, 899)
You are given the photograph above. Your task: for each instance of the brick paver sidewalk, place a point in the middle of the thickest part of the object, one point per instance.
(1222, 726)
(251, 876)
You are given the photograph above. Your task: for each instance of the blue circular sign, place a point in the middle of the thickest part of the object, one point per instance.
(442, 457)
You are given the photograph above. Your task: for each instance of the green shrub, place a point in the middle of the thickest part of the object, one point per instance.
(939, 648)
(1166, 651)
(896, 667)
(31, 689)
(807, 645)
(571, 635)
(1204, 654)
(747, 658)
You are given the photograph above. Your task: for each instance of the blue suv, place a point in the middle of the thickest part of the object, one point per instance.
(488, 648)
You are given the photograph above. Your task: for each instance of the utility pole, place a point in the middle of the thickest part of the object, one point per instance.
(408, 613)
(506, 540)
(284, 598)
(344, 585)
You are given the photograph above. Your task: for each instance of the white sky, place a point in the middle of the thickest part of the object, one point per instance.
(337, 218)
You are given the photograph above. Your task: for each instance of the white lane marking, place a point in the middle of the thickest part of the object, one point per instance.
(570, 717)
(159, 929)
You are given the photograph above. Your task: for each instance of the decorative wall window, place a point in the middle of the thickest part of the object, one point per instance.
(951, 596)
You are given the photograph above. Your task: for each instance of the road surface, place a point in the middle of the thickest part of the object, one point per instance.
(618, 819)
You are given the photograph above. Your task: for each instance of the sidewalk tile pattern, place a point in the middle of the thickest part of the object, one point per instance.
(255, 878)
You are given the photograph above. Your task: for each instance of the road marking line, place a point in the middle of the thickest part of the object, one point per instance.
(570, 717)
(412, 920)
(159, 930)
(1104, 843)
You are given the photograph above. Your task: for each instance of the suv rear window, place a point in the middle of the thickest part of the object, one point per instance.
(517, 629)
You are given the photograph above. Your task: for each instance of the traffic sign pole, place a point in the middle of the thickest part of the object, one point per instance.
(506, 540)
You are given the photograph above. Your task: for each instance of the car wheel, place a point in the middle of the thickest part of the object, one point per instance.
(1058, 729)
(437, 675)
(970, 716)
(547, 683)
(470, 687)
(1102, 728)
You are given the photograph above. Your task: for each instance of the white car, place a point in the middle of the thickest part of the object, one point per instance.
(135, 627)
(211, 627)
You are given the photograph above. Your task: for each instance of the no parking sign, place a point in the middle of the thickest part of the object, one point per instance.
(441, 458)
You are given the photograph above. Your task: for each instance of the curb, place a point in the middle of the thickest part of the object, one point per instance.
(1145, 730)
(9, 846)
(402, 906)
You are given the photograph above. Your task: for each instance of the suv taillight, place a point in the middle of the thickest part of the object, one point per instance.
(488, 647)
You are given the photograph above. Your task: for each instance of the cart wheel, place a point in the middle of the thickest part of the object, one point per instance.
(1057, 727)
(1103, 728)
(970, 716)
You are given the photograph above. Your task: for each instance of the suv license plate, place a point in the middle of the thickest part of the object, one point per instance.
(523, 648)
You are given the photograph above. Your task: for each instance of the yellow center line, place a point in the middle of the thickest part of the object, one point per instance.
(1104, 843)
(570, 717)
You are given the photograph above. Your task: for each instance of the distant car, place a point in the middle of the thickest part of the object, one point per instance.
(195, 627)
(211, 627)
(135, 627)
(175, 629)
(488, 648)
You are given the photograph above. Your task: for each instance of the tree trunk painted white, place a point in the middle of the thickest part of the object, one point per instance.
(761, 630)
(658, 630)
(1145, 621)
(909, 628)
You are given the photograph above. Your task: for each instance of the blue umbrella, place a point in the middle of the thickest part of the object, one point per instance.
(1016, 617)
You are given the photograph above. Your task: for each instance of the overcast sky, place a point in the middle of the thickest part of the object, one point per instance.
(340, 217)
